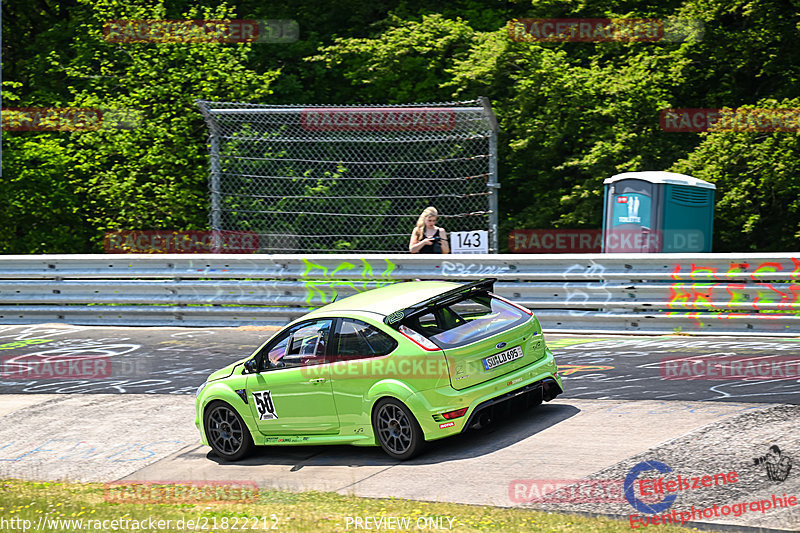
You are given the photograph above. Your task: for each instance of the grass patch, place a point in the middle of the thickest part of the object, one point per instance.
(53, 505)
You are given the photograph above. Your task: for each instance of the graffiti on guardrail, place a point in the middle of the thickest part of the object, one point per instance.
(459, 269)
(594, 274)
(325, 287)
(710, 292)
(717, 291)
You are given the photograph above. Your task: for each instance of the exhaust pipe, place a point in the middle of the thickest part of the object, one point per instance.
(483, 420)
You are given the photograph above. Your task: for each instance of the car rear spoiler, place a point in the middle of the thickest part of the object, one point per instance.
(459, 293)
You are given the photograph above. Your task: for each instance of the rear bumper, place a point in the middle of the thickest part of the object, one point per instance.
(524, 397)
(528, 384)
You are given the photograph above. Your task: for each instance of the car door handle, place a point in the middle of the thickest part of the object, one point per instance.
(317, 380)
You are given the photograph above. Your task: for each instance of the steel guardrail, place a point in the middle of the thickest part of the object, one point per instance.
(644, 293)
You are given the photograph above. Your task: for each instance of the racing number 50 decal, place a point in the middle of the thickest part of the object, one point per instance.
(266, 409)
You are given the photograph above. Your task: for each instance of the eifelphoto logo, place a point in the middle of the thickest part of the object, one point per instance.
(604, 30)
(715, 511)
(180, 242)
(201, 31)
(71, 119)
(776, 464)
(181, 492)
(726, 120)
(668, 485)
(730, 368)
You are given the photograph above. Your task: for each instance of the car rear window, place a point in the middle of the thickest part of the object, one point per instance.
(468, 321)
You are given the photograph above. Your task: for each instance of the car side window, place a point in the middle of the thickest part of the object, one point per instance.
(359, 340)
(304, 344)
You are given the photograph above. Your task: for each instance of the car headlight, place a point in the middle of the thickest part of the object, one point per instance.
(200, 389)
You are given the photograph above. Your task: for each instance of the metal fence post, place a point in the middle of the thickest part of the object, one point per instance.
(214, 178)
(493, 182)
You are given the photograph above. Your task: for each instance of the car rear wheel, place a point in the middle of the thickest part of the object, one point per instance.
(397, 430)
(226, 432)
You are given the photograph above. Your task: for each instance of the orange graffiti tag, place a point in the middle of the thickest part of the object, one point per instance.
(566, 370)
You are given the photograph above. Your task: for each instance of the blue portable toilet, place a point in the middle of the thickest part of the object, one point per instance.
(657, 211)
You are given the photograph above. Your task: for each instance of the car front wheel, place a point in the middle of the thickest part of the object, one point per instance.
(397, 430)
(226, 432)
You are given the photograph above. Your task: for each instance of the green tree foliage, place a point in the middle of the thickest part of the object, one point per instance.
(40, 208)
(144, 169)
(571, 113)
(407, 60)
(758, 190)
(567, 125)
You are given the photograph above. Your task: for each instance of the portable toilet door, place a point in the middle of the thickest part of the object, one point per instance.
(655, 211)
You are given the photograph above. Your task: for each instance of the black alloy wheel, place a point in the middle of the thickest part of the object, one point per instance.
(397, 430)
(226, 432)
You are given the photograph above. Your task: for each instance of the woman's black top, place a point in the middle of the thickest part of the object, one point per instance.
(436, 247)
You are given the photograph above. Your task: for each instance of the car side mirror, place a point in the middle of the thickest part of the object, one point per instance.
(251, 366)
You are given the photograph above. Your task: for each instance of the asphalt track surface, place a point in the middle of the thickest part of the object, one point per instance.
(177, 360)
(136, 422)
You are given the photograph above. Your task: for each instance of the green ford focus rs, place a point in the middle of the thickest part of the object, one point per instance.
(395, 367)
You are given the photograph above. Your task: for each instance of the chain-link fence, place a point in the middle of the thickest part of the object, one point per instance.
(350, 178)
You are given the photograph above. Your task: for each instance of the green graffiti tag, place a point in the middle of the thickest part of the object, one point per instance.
(324, 288)
(22, 343)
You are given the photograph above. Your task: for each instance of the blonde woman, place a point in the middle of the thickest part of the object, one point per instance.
(427, 237)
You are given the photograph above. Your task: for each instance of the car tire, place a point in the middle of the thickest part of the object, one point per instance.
(226, 432)
(396, 429)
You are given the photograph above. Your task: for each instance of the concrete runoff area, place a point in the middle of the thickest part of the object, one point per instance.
(14, 402)
(97, 437)
(139, 437)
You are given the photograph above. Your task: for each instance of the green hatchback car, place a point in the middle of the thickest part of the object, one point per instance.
(395, 366)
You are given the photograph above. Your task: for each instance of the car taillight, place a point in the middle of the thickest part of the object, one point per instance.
(458, 413)
(523, 309)
(418, 339)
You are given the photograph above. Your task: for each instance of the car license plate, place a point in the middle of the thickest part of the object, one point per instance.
(493, 361)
